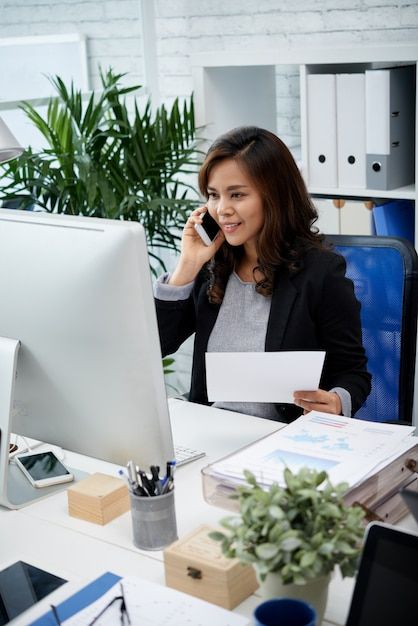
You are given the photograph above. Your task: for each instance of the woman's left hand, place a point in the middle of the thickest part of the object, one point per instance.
(320, 400)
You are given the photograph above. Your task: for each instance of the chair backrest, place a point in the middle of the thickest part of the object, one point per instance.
(384, 271)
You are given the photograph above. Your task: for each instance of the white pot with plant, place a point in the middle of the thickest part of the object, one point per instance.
(294, 535)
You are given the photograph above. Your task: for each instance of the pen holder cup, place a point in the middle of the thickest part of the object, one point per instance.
(153, 521)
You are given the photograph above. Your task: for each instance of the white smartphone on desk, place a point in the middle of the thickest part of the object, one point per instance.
(43, 469)
(208, 229)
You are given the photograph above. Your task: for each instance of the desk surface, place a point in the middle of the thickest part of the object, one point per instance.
(43, 533)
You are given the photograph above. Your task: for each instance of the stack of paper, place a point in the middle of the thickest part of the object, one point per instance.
(348, 449)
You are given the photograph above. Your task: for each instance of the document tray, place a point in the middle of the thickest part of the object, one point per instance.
(378, 494)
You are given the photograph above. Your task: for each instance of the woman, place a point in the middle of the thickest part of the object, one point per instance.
(267, 282)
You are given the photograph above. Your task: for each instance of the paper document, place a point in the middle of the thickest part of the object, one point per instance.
(149, 604)
(400, 448)
(348, 449)
(261, 376)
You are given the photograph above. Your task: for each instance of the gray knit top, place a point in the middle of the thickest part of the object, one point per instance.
(241, 327)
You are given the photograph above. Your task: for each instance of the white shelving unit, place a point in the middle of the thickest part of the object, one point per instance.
(234, 88)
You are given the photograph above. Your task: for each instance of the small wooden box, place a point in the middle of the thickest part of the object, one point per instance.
(98, 498)
(195, 565)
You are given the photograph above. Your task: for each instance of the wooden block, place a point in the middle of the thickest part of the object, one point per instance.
(195, 565)
(98, 498)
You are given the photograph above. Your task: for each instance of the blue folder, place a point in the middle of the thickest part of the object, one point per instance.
(395, 219)
(80, 600)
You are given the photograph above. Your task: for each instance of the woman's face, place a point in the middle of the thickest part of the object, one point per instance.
(235, 203)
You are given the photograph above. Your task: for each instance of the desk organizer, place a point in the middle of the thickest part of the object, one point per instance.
(98, 498)
(154, 524)
(195, 565)
(378, 494)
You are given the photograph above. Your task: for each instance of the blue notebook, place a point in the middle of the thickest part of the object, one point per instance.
(80, 600)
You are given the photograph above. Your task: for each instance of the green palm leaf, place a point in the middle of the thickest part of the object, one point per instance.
(106, 159)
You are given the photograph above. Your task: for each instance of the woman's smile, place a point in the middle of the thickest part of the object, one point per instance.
(230, 227)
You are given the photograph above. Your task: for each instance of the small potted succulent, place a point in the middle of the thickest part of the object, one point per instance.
(294, 535)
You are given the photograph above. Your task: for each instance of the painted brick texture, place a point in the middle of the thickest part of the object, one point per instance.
(190, 26)
(112, 27)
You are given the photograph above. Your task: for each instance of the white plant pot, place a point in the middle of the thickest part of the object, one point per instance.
(314, 592)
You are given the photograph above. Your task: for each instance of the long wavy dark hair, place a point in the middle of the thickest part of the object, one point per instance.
(288, 229)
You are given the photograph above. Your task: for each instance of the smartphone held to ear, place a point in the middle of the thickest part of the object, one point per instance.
(43, 469)
(208, 229)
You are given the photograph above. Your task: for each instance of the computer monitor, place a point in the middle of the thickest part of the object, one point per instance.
(77, 293)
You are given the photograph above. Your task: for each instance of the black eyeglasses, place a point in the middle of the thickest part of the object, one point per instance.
(124, 615)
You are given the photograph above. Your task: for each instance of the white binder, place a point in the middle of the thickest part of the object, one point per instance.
(328, 220)
(351, 130)
(322, 130)
(390, 121)
(356, 218)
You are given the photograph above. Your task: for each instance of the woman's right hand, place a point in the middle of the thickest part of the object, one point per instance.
(194, 253)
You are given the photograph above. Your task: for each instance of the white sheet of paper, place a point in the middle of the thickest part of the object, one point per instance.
(348, 449)
(149, 604)
(261, 376)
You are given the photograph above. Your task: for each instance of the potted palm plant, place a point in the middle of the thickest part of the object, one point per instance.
(110, 157)
(294, 535)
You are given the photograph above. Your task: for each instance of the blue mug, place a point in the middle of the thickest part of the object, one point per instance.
(284, 612)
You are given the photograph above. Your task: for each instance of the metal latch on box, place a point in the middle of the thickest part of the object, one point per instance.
(195, 573)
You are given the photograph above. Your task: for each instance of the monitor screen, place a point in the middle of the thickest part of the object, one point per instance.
(77, 293)
(387, 580)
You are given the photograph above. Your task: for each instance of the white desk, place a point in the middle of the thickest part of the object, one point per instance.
(43, 534)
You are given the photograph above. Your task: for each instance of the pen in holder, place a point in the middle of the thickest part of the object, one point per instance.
(153, 510)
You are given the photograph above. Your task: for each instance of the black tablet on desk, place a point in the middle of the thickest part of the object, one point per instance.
(21, 586)
(385, 593)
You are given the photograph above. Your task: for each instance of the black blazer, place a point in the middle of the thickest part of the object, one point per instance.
(313, 308)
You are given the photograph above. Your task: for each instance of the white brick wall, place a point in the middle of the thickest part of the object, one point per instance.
(199, 26)
(184, 27)
(112, 27)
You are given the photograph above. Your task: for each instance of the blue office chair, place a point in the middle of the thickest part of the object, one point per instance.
(384, 271)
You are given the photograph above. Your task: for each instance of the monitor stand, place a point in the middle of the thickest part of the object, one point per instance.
(15, 490)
